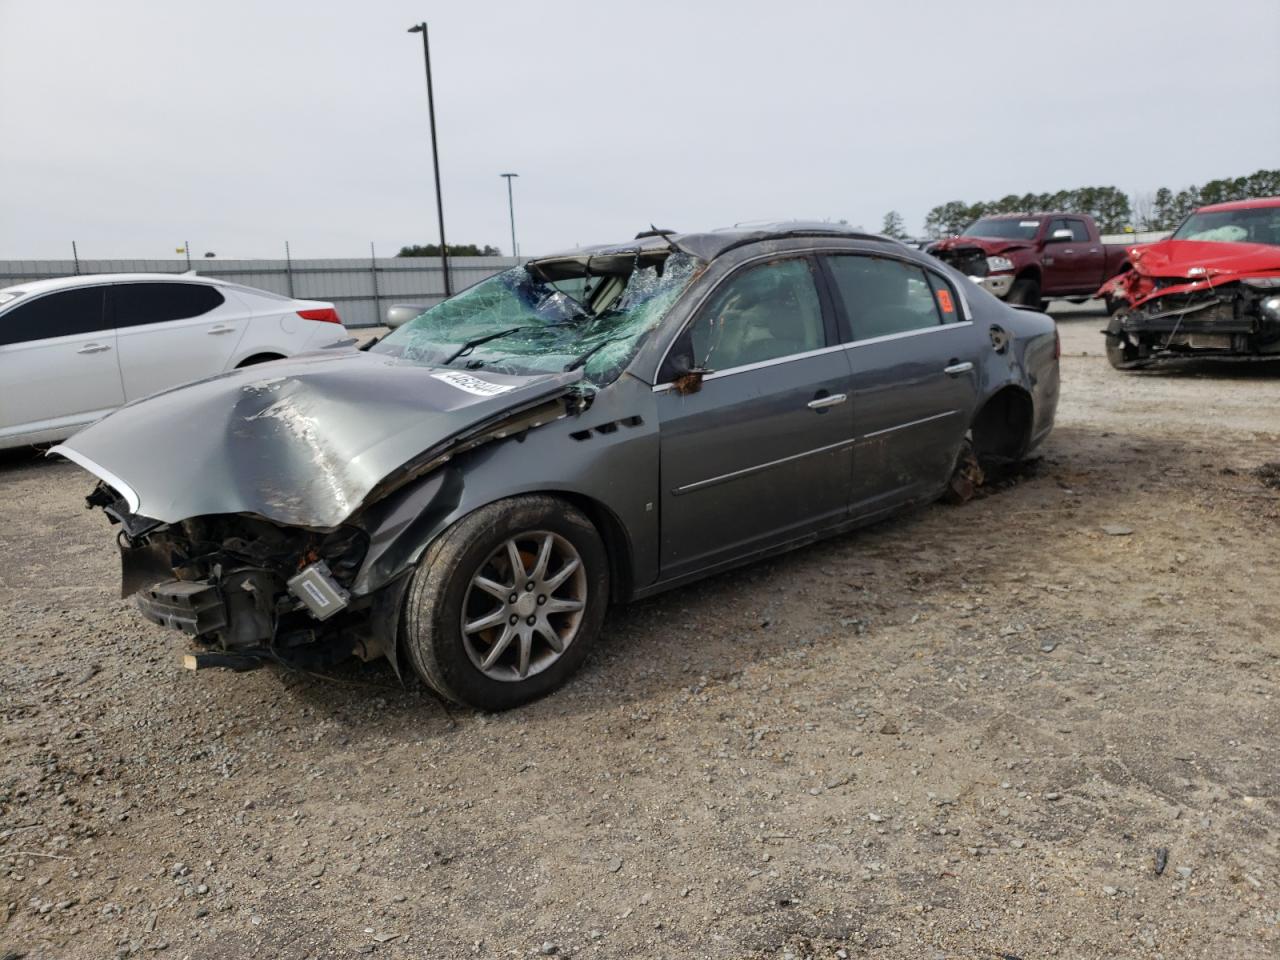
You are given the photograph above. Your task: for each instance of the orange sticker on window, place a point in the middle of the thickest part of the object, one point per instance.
(944, 301)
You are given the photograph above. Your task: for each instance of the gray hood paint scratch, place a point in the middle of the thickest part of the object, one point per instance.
(300, 441)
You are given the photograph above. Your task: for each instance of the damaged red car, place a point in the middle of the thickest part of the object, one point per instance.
(1210, 290)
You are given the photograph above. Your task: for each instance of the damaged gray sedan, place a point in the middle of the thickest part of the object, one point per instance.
(470, 494)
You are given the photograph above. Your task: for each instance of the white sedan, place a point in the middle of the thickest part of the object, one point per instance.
(75, 348)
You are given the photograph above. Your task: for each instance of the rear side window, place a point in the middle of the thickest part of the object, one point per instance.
(62, 314)
(882, 297)
(946, 298)
(139, 303)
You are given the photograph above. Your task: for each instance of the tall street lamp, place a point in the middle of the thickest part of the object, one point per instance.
(435, 156)
(511, 206)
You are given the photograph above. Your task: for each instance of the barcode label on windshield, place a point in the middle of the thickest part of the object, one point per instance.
(465, 381)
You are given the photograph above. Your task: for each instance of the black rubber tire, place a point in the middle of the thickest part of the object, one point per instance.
(1025, 292)
(1121, 352)
(1044, 305)
(1113, 304)
(430, 624)
(966, 477)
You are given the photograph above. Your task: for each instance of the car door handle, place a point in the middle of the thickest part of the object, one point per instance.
(955, 369)
(93, 348)
(821, 403)
(214, 331)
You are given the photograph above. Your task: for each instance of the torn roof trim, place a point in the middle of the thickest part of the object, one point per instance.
(619, 259)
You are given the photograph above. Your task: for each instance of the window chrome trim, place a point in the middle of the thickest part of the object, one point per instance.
(909, 333)
(746, 471)
(809, 251)
(912, 423)
(747, 368)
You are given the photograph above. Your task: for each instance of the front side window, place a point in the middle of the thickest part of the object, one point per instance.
(763, 313)
(882, 297)
(62, 314)
(140, 303)
(535, 319)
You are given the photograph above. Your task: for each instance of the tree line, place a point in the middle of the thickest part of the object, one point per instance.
(1111, 207)
(455, 250)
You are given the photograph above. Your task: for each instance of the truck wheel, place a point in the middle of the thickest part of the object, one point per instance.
(1025, 292)
(1044, 305)
(1122, 353)
(1113, 304)
(506, 604)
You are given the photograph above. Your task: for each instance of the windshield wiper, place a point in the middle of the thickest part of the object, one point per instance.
(476, 341)
(581, 360)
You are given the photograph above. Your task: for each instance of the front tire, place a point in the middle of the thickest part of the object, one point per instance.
(1122, 353)
(1025, 292)
(506, 604)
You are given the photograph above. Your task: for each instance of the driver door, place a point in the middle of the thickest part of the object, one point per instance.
(761, 452)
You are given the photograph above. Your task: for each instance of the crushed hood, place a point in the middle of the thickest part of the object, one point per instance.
(300, 441)
(1198, 264)
(988, 245)
(1201, 259)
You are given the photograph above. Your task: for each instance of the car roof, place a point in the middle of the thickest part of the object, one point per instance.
(89, 279)
(1037, 213)
(1253, 203)
(710, 244)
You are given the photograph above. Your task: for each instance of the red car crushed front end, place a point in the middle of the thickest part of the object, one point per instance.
(1212, 289)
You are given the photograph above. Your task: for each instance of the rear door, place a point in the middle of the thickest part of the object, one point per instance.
(761, 453)
(172, 332)
(58, 365)
(914, 361)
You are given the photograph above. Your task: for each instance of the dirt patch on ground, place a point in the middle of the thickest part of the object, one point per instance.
(966, 732)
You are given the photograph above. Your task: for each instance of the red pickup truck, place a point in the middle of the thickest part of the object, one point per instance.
(1032, 258)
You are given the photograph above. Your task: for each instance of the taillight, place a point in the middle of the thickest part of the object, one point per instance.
(1057, 343)
(323, 314)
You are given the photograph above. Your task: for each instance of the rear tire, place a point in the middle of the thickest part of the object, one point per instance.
(458, 633)
(1025, 292)
(1122, 353)
(966, 477)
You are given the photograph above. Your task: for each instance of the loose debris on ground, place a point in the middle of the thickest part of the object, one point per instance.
(982, 731)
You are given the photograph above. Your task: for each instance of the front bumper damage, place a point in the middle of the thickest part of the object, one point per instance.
(248, 590)
(267, 540)
(972, 261)
(1236, 319)
(996, 284)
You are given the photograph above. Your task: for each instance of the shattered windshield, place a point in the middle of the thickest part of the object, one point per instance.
(1258, 225)
(520, 322)
(1002, 229)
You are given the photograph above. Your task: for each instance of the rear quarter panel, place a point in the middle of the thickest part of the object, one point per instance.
(1029, 361)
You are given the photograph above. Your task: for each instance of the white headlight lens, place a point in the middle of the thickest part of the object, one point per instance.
(999, 264)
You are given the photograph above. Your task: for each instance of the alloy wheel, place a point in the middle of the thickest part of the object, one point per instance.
(524, 606)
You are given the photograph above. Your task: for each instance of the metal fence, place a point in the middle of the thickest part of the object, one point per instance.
(361, 289)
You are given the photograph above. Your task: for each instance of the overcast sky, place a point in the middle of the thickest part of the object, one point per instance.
(131, 126)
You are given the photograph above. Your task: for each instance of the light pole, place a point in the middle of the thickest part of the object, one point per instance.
(511, 206)
(435, 155)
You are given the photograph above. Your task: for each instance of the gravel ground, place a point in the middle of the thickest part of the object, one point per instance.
(968, 732)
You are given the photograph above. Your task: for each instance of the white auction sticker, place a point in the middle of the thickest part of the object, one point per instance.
(465, 381)
(1028, 223)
